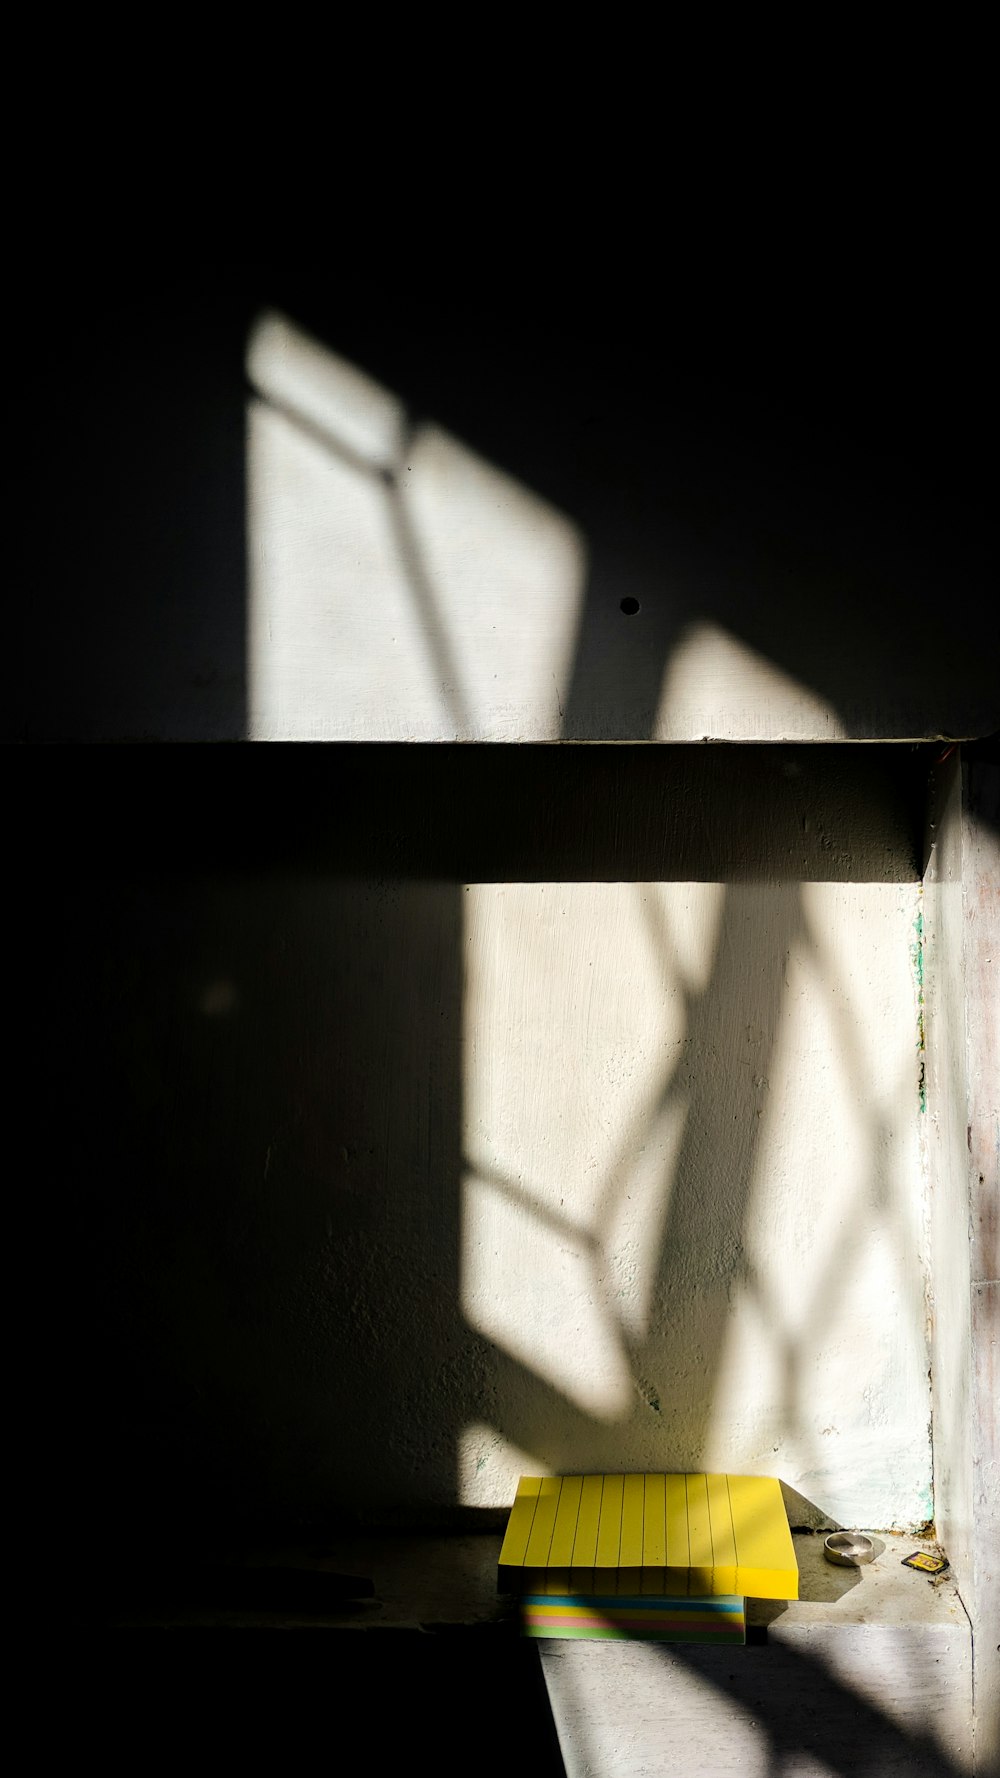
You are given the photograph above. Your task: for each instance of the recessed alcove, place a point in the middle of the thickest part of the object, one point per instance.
(606, 1081)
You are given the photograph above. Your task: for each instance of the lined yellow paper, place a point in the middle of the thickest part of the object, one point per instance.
(764, 1553)
(697, 1536)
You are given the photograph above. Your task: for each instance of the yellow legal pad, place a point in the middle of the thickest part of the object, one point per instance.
(683, 1536)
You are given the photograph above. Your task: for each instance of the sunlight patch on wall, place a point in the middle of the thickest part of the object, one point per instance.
(400, 587)
(574, 1023)
(490, 1466)
(693, 1206)
(324, 392)
(534, 1288)
(823, 1375)
(717, 687)
(507, 572)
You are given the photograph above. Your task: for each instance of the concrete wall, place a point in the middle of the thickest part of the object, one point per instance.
(408, 1123)
(308, 502)
(404, 1178)
(947, 1089)
(693, 1204)
(963, 1078)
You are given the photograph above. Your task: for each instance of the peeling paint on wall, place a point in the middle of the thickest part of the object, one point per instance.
(917, 960)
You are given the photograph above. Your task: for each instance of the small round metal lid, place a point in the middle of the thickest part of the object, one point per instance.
(849, 1549)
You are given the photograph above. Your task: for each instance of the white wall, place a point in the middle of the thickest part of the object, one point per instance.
(963, 1096)
(694, 1214)
(410, 1178)
(404, 1187)
(402, 586)
(484, 472)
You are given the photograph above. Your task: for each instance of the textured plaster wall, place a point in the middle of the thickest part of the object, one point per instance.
(314, 501)
(317, 1086)
(693, 1199)
(963, 1105)
(506, 616)
(947, 1089)
(383, 1178)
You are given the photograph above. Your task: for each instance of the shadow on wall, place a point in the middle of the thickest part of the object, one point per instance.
(710, 568)
(263, 1065)
(264, 1075)
(533, 1168)
(403, 588)
(798, 488)
(320, 1074)
(288, 1031)
(714, 1179)
(477, 584)
(132, 511)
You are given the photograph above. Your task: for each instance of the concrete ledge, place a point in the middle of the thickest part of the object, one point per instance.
(868, 1674)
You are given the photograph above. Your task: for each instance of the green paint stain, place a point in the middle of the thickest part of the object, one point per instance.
(917, 950)
(917, 959)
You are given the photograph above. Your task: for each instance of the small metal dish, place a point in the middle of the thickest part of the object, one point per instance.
(848, 1549)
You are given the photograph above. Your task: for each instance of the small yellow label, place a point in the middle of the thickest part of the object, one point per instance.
(926, 1564)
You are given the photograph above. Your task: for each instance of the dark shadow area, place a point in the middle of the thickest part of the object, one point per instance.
(245, 1078)
(391, 1699)
(492, 814)
(191, 1593)
(130, 523)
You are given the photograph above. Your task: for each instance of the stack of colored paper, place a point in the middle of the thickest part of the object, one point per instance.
(647, 1619)
(661, 1557)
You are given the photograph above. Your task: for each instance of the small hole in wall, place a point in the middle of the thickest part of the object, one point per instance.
(629, 606)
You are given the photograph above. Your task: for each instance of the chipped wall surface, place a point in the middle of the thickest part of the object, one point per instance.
(963, 1049)
(947, 1082)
